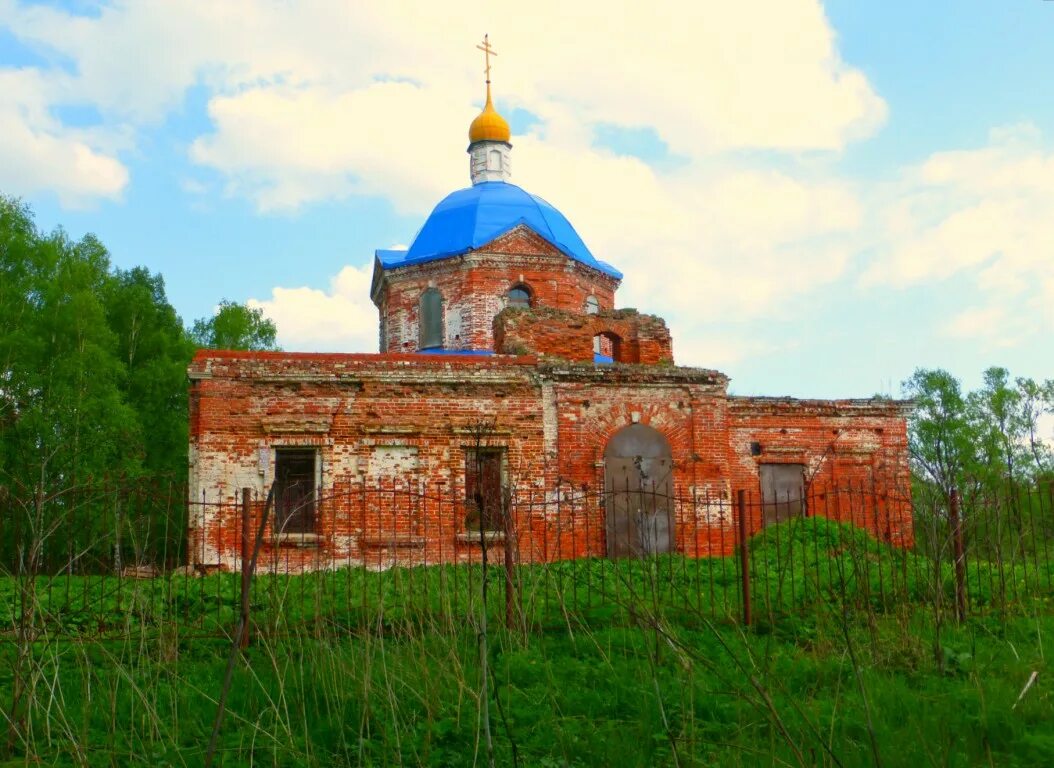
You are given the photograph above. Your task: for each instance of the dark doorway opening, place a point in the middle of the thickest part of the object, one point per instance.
(485, 489)
(295, 490)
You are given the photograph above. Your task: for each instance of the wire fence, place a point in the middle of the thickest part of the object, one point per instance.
(103, 561)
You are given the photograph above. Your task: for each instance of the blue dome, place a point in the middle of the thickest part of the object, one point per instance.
(470, 218)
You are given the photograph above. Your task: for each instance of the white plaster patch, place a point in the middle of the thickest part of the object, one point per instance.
(714, 511)
(454, 326)
(550, 425)
(392, 461)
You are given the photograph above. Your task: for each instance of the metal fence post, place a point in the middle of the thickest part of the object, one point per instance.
(247, 554)
(744, 554)
(510, 543)
(955, 519)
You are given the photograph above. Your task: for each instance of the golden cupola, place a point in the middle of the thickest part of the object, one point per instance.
(489, 125)
(488, 136)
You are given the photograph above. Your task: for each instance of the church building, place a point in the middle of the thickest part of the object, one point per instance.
(511, 394)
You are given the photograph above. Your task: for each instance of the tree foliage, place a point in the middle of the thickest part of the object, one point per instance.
(235, 326)
(65, 414)
(983, 439)
(93, 385)
(92, 374)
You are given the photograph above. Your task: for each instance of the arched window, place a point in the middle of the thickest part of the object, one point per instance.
(592, 305)
(607, 348)
(494, 160)
(431, 319)
(518, 296)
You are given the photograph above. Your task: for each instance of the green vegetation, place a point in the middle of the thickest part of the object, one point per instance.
(93, 388)
(982, 441)
(619, 695)
(617, 663)
(235, 326)
(799, 566)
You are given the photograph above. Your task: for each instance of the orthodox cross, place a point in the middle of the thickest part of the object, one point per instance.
(487, 53)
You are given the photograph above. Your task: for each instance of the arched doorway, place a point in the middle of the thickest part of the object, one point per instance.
(638, 477)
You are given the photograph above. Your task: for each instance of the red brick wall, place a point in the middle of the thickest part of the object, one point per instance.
(849, 448)
(392, 432)
(636, 338)
(684, 408)
(474, 287)
(352, 408)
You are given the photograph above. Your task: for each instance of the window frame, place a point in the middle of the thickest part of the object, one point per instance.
(494, 160)
(305, 519)
(492, 519)
(424, 313)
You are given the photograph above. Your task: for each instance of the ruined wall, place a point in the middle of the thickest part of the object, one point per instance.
(849, 449)
(592, 404)
(401, 424)
(392, 433)
(474, 288)
(632, 337)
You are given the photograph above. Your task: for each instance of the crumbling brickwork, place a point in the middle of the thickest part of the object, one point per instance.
(631, 336)
(392, 435)
(474, 289)
(392, 458)
(856, 446)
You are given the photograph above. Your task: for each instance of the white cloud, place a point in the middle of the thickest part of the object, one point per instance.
(985, 215)
(722, 352)
(299, 114)
(341, 319)
(39, 154)
(285, 147)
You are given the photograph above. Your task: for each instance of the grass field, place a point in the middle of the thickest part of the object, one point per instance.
(646, 671)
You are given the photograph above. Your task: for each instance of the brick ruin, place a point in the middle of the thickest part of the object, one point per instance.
(510, 395)
(394, 422)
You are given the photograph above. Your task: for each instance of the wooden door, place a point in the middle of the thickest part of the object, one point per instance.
(782, 491)
(639, 490)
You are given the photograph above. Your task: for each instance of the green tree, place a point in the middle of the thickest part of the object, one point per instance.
(235, 326)
(1035, 401)
(92, 391)
(155, 350)
(995, 410)
(942, 439)
(65, 417)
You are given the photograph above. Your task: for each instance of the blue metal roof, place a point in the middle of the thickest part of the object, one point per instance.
(445, 351)
(470, 218)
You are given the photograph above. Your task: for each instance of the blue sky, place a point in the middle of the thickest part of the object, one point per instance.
(819, 198)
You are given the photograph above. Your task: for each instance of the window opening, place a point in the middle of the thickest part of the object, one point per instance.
(295, 490)
(607, 348)
(485, 489)
(592, 305)
(519, 296)
(431, 319)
